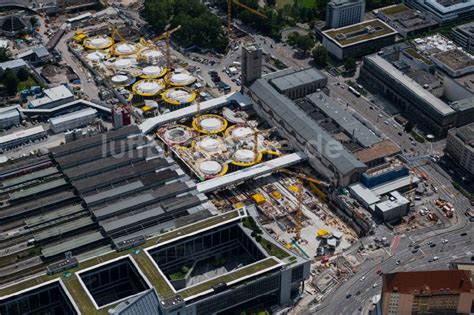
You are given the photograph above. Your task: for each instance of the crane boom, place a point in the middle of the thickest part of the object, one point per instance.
(167, 35)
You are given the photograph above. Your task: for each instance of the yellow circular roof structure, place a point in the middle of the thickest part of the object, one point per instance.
(121, 80)
(98, 42)
(179, 79)
(209, 144)
(97, 56)
(150, 55)
(152, 72)
(239, 132)
(245, 158)
(148, 87)
(179, 96)
(178, 134)
(124, 49)
(213, 168)
(210, 124)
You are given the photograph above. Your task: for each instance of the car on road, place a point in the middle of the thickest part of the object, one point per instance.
(362, 279)
(429, 243)
(371, 107)
(374, 285)
(380, 115)
(348, 296)
(413, 143)
(463, 234)
(435, 258)
(414, 251)
(416, 246)
(445, 241)
(397, 262)
(386, 122)
(358, 292)
(433, 245)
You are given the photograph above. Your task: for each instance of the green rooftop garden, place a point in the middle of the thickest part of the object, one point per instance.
(413, 53)
(395, 9)
(385, 29)
(146, 266)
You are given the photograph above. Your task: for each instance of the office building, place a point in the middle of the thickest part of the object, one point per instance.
(53, 97)
(72, 120)
(35, 56)
(394, 207)
(9, 116)
(420, 105)
(406, 21)
(463, 35)
(299, 83)
(460, 146)
(14, 65)
(359, 39)
(445, 11)
(251, 64)
(427, 292)
(21, 137)
(340, 13)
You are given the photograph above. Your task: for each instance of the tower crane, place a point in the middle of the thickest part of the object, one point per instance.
(299, 211)
(115, 32)
(167, 36)
(229, 14)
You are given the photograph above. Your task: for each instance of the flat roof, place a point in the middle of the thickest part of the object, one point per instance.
(12, 64)
(456, 59)
(64, 228)
(306, 128)
(151, 124)
(410, 84)
(73, 116)
(9, 114)
(29, 177)
(251, 172)
(358, 33)
(388, 204)
(52, 215)
(51, 95)
(345, 119)
(145, 264)
(385, 148)
(397, 184)
(33, 190)
(296, 79)
(114, 192)
(21, 134)
(466, 133)
(71, 243)
(364, 193)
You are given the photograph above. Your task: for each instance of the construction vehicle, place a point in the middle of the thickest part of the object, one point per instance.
(229, 14)
(299, 211)
(167, 36)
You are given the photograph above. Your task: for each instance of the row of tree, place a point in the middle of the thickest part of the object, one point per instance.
(198, 25)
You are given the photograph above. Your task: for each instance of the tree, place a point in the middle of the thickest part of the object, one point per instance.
(320, 56)
(302, 42)
(350, 65)
(10, 81)
(4, 54)
(23, 74)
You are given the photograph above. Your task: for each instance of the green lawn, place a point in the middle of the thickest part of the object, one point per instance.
(26, 84)
(307, 3)
(395, 9)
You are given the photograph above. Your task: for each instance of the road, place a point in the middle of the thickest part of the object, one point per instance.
(457, 247)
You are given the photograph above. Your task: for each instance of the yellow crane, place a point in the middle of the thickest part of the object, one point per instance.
(229, 14)
(167, 36)
(115, 32)
(299, 211)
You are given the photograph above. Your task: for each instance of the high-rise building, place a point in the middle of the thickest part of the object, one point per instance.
(251, 64)
(427, 292)
(460, 146)
(340, 13)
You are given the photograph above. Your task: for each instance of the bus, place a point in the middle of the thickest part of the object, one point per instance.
(354, 91)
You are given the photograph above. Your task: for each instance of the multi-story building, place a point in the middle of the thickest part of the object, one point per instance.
(416, 101)
(53, 97)
(251, 64)
(300, 83)
(406, 21)
(463, 35)
(340, 13)
(21, 137)
(460, 146)
(72, 120)
(427, 292)
(9, 116)
(445, 11)
(359, 39)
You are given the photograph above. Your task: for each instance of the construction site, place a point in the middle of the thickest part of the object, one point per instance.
(141, 72)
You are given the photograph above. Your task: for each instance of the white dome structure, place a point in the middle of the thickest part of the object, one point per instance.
(152, 72)
(148, 87)
(180, 79)
(98, 42)
(210, 168)
(151, 56)
(179, 96)
(125, 49)
(96, 56)
(244, 156)
(124, 63)
(209, 144)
